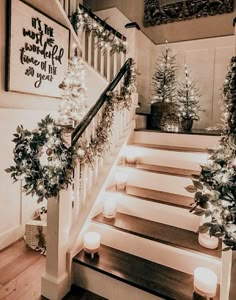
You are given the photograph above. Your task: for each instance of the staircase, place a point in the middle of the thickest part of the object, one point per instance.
(150, 249)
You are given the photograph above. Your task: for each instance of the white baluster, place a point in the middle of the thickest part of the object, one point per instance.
(83, 44)
(95, 53)
(62, 3)
(90, 48)
(66, 7)
(122, 55)
(108, 64)
(102, 62)
(115, 61)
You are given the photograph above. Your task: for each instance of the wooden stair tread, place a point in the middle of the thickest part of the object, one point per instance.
(141, 273)
(162, 233)
(169, 148)
(78, 293)
(160, 196)
(164, 169)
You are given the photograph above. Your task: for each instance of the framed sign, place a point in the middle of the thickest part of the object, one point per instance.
(37, 51)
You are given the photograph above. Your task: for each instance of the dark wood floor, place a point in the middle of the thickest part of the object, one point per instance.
(20, 275)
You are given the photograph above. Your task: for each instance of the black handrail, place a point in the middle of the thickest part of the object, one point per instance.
(79, 130)
(102, 22)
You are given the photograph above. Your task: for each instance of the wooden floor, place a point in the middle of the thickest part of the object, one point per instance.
(20, 275)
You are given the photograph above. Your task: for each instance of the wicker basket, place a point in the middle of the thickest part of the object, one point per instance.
(35, 234)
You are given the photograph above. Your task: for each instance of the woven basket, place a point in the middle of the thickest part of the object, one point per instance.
(35, 234)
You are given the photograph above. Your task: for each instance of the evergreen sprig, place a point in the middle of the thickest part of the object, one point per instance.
(215, 188)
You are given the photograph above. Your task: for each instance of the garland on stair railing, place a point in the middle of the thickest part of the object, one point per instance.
(87, 154)
(81, 19)
(44, 160)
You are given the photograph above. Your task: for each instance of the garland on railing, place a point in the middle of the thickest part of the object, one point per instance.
(106, 39)
(42, 159)
(87, 154)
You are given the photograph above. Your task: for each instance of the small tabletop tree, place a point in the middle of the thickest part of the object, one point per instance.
(188, 98)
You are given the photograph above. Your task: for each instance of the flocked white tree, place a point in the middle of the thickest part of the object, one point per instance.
(74, 99)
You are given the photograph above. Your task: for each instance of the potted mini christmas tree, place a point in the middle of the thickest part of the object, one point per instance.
(188, 101)
(164, 86)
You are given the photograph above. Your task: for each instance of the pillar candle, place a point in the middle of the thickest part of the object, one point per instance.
(109, 208)
(91, 242)
(121, 180)
(205, 282)
(208, 241)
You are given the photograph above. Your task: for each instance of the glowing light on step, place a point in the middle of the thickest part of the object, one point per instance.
(131, 155)
(121, 180)
(208, 241)
(109, 208)
(92, 242)
(205, 282)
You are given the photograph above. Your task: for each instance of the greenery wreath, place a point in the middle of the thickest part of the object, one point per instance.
(42, 159)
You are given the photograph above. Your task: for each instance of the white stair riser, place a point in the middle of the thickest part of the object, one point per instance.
(154, 181)
(106, 286)
(154, 211)
(177, 140)
(175, 159)
(175, 258)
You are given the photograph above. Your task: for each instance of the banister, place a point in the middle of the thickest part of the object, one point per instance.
(79, 130)
(102, 22)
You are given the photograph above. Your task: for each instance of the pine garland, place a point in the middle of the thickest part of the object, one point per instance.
(106, 40)
(42, 160)
(215, 188)
(87, 154)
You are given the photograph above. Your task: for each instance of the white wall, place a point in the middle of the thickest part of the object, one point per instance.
(25, 109)
(207, 59)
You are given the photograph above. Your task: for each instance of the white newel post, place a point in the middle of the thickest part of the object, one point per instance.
(55, 281)
(228, 275)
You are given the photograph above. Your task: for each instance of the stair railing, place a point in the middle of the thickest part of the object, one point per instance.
(68, 213)
(95, 52)
(85, 176)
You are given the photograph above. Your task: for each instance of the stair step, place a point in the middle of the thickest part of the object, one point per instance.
(196, 142)
(151, 277)
(77, 293)
(164, 169)
(170, 148)
(160, 196)
(162, 233)
(157, 211)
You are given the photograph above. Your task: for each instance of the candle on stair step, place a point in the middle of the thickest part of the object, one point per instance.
(109, 208)
(121, 180)
(91, 242)
(205, 282)
(208, 241)
(131, 156)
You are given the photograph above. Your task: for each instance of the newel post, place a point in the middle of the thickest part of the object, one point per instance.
(55, 282)
(228, 275)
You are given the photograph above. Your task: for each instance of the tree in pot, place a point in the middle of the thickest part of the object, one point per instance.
(164, 88)
(188, 101)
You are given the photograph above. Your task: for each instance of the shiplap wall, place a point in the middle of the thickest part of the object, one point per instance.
(207, 59)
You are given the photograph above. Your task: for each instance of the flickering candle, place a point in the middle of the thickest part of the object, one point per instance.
(131, 156)
(109, 208)
(121, 180)
(91, 242)
(208, 241)
(205, 282)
